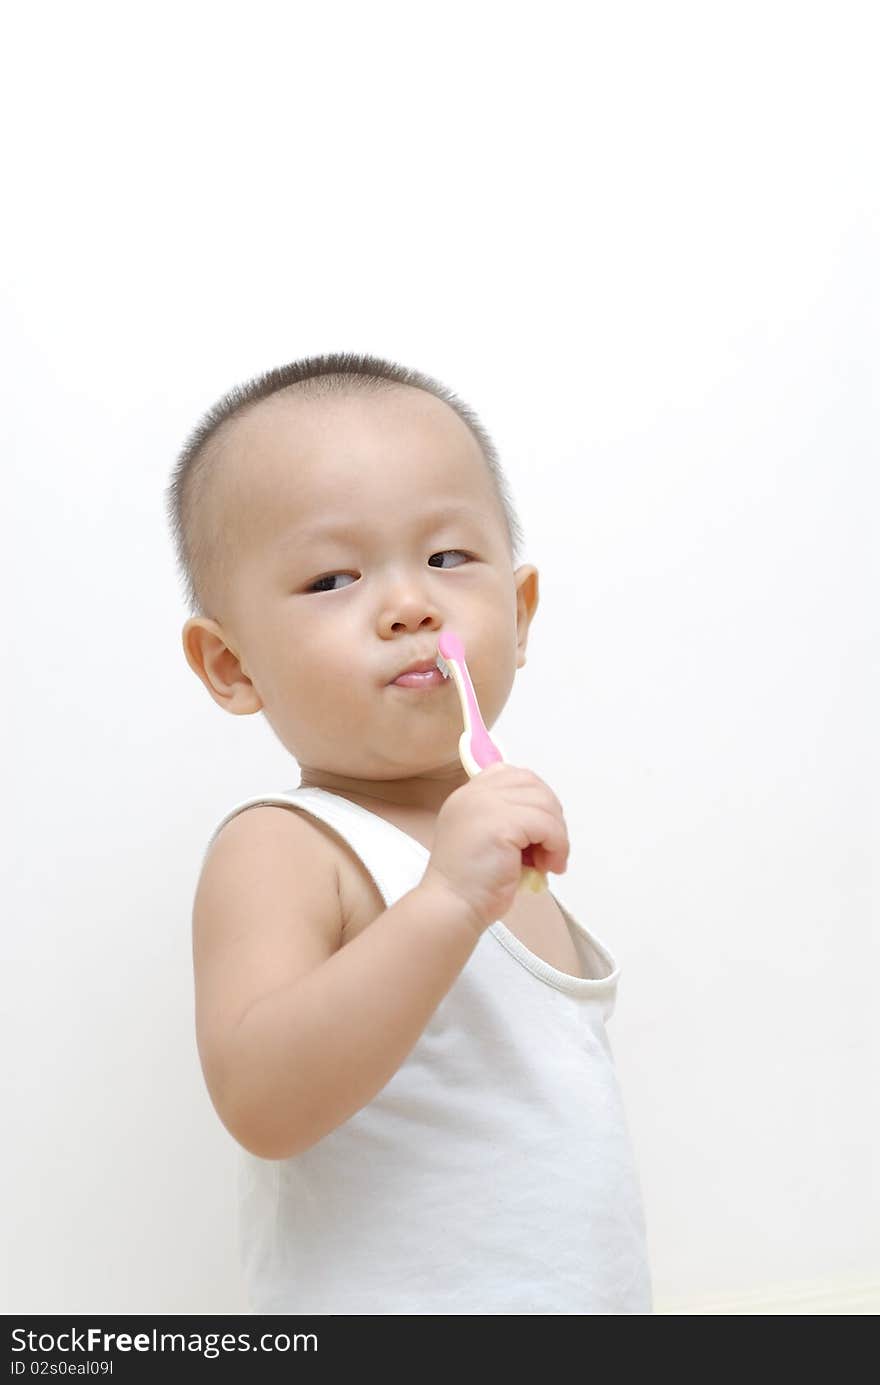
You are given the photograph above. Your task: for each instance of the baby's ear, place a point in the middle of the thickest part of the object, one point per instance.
(218, 666)
(527, 597)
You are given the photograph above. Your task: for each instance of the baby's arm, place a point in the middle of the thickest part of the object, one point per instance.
(295, 1032)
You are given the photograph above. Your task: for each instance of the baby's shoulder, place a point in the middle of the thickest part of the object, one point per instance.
(273, 871)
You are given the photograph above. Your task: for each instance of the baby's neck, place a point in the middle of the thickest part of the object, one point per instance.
(416, 822)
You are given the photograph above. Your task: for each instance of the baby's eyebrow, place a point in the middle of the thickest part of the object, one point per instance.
(302, 534)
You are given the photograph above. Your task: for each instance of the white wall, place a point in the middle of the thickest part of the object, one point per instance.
(638, 239)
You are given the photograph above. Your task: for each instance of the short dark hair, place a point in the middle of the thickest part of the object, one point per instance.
(188, 493)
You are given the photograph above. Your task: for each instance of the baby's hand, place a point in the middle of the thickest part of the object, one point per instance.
(483, 829)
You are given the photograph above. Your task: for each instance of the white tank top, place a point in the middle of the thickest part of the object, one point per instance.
(493, 1174)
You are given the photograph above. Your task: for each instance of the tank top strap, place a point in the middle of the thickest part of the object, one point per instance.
(395, 860)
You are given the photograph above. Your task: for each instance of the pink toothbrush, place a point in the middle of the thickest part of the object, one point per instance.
(476, 749)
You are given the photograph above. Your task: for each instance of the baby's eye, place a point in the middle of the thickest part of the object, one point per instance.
(316, 585)
(443, 553)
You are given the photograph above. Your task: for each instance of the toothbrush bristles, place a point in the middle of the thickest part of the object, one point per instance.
(443, 666)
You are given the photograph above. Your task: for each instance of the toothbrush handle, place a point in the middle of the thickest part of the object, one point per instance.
(531, 878)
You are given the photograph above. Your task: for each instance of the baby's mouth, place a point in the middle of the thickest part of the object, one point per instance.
(422, 667)
(419, 678)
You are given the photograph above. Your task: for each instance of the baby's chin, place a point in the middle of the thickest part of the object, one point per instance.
(396, 770)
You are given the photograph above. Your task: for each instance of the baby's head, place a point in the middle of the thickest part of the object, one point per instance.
(313, 512)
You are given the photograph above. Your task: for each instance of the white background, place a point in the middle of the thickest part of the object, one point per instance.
(639, 241)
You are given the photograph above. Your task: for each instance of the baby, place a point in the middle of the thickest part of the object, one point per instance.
(410, 1051)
